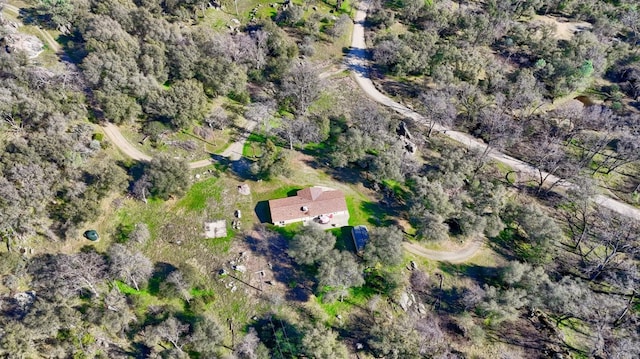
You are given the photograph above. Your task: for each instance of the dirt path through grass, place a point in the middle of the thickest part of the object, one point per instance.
(113, 133)
(461, 255)
(233, 152)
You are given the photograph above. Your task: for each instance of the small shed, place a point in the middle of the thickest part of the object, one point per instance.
(360, 236)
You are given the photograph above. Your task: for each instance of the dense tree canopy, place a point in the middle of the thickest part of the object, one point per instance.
(554, 83)
(311, 245)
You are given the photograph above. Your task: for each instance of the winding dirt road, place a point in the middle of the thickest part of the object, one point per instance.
(357, 60)
(113, 133)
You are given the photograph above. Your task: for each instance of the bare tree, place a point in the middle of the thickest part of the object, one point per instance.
(627, 150)
(340, 26)
(393, 337)
(610, 238)
(471, 101)
(299, 131)
(142, 188)
(631, 19)
(260, 37)
(68, 275)
(261, 112)
(140, 233)
(498, 130)
(171, 330)
(370, 118)
(432, 338)
(176, 279)
(218, 119)
(301, 86)
(250, 346)
(339, 272)
(524, 97)
(547, 154)
(438, 108)
(580, 213)
(207, 336)
(133, 268)
(114, 313)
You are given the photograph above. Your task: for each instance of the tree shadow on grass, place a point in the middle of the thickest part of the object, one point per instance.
(342, 174)
(138, 350)
(379, 213)
(279, 335)
(480, 274)
(404, 90)
(161, 271)
(241, 168)
(512, 246)
(450, 298)
(344, 240)
(273, 247)
(522, 333)
(293, 192)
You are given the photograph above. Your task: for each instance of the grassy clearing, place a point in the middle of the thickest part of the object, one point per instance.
(573, 332)
(344, 240)
(219, 19)
(177, 240)
(502, 170)
(176, 227)
(357, 297)
(325, 102)
(199, 194)
(251, 148)
(221, 140)
(327, 49)
(137, 139)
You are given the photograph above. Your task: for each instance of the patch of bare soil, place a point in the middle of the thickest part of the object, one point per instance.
(565, 29)
(455, 256)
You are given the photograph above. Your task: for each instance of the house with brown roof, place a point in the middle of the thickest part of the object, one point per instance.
(314, 204)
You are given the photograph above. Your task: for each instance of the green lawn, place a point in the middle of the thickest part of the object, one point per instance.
(200, 194)
(144, 299)
(363, 212)
(357, 297)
